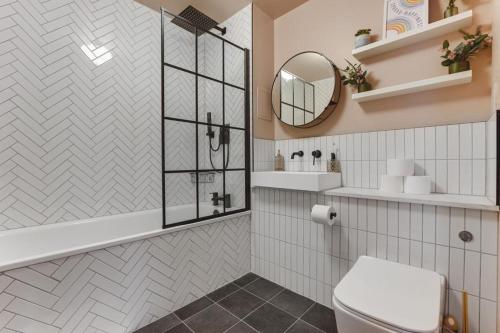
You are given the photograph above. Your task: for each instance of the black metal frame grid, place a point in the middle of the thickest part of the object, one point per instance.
(197, 123)
(293, 106)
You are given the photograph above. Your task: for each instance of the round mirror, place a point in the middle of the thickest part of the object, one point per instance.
(306, 90)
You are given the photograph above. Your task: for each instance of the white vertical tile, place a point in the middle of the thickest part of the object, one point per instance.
(416, 224)
(441, 142)
(353, 213)
(488, 277)
(415, 253)
(350, 147)
(357, 146)
(343, 147)
(392, 248)
(357, 174)
(453, 142)
(466, 177)
(410, 143)
(419, 143)
(479, 177)
(428, 256)
(441, 176)
(381, 246)
(491, 139)
(430, 143)
(453, 177)
(362, 214)
(473, 310)
(479, 140)
(442, 225)
(373, 137)
(456, 268)
(382, 217)
(362, 243)
(472, 272)
(392, 218)
(365, 146)
(371, 214)
(382, 170)
(488, 311)
(404, 251)
(442, 260)
(489, 226)
(473, 225)
(465, 141)
(371, 248)
(353, 244)
(391, 144)
(404, 220)
(365, 174)
(381, 146)
(430, 170)
(457, 224)
(344, 246)
(400, 143)
(429, 224)
(350, 173)
(419, 167)
(373, 174)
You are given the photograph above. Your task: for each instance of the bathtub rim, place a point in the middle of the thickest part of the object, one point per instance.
(48, 256)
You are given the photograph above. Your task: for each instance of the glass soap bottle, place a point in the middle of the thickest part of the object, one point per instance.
(333, 164)
(279, 162)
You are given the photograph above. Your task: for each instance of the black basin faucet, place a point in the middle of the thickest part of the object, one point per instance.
(299, 153)
(316, 154)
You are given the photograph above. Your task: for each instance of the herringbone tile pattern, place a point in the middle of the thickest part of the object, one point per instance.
(122, 288)
(79, 107)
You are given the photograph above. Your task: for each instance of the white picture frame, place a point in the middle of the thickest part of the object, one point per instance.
(401, 16)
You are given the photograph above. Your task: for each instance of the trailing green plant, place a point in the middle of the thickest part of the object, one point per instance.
(363, 32)
(451, 3)
(471, 45)
(354, 74)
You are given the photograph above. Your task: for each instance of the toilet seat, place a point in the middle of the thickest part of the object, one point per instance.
(398, 297)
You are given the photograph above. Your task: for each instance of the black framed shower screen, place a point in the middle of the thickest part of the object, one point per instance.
(197, 124)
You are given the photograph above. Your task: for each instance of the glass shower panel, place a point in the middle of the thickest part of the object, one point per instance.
(234, 65)
(179, 88)
(210, 56)
(298, 93)
(234, 107)
(235, 186)
(235, 157)
(180, 145)
(179, 46)
(180, 199)
(209, 101)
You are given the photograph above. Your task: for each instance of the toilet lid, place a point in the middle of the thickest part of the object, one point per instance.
(401, 296)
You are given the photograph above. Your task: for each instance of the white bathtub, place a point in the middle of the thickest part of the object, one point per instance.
(27, 246)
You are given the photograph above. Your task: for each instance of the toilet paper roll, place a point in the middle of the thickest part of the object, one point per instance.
(323, 214)
(392, 184)
(418, 184)
(400, 167)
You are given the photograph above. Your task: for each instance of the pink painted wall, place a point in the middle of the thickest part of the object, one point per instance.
(328, 27)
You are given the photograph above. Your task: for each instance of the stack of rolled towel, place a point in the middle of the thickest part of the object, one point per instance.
(400, 178)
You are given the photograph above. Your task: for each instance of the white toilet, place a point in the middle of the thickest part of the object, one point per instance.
(378, 296)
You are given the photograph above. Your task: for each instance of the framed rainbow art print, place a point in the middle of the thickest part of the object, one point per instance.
(401, 16)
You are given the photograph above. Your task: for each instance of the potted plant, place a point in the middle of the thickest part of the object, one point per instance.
(362, 37)
(457, 60)
(451, 9)
(355, 76)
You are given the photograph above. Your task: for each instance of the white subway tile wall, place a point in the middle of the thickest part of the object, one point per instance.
(310, 259)
(491, 157)
(454, 156)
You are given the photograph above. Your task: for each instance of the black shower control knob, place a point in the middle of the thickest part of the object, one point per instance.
(466, 236)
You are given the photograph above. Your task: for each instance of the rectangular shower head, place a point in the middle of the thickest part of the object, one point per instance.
(197, 19)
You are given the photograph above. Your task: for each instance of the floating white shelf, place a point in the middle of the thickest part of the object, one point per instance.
(434, 199)
(437, 82)
(435, 29)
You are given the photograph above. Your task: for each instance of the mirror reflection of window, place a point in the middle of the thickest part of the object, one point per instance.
(304, 88)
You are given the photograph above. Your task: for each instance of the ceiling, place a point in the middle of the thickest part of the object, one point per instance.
(221, 10)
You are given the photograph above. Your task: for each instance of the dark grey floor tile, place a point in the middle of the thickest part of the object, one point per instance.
(162, 325)
(263, 288)
(213, 319)
(193, 308)
(241, 303)
(180, 329)
(292, 303)
(303, 327)
(269, 319)
(246, 279)
(321, 317)
(241, 328)
(223, 292)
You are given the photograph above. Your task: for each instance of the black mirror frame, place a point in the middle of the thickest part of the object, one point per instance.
(334, 100)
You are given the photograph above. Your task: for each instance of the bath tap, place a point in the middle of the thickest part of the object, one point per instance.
(316, 154)
(299, 153)
(226, 199)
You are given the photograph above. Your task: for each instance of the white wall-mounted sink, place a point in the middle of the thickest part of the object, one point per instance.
(301, 181)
